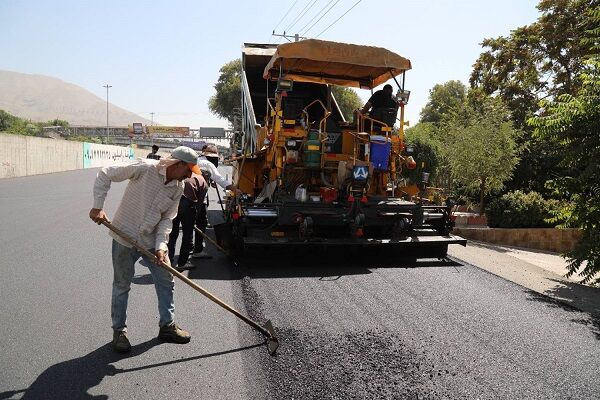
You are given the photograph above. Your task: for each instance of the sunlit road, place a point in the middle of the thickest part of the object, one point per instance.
(367, 328)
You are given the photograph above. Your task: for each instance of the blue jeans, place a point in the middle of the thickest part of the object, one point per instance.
(124, 259)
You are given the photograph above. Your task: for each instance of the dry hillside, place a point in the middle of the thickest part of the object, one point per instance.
(43, 98)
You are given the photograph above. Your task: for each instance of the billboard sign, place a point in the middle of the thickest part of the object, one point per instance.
(168, 131)
(138, 128)
(102, 155)
(212, 132)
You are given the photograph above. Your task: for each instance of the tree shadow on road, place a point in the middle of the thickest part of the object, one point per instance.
(73, 378)
(576, 298)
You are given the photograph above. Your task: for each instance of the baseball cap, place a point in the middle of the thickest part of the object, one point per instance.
(187, 155)
(210, 150)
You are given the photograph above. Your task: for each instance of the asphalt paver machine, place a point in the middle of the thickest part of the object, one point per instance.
(311, 178)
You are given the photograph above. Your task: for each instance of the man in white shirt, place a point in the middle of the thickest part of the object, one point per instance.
(208, 160)
(145, 213)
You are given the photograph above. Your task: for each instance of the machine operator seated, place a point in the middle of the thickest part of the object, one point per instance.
(383, 106)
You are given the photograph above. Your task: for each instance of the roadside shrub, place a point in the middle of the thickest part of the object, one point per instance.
(23, 127)
(520, 210)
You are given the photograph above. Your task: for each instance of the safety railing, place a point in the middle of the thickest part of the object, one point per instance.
(248, 117)
(322, 125)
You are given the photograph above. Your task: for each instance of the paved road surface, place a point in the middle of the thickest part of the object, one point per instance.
(370, 327)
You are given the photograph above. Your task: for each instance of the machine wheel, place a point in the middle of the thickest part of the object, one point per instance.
(306, 229)
(401, 228)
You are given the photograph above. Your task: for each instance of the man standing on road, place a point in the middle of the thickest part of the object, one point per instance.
(208, 162)
(193, 196)
(145, 213)
(154, 155)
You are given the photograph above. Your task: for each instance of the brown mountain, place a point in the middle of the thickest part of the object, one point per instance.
(43, 98)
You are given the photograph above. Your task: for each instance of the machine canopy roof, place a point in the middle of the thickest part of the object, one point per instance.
(343, 64)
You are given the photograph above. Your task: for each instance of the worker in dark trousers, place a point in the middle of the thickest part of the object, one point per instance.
(190, 203)
(201, 223)
(208, 161)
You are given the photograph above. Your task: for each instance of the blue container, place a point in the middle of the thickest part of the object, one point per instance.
(381, 148)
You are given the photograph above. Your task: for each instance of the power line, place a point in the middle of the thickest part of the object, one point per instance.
(355, 4)
(286, 14)
(315, 16)
(326, 12)
(297, 16)
(302, 13)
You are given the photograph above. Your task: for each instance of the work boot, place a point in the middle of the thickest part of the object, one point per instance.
(201, 255)
(120, 343)
(174, 334)
(188, 265)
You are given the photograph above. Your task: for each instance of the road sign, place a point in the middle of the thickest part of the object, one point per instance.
(212, 132)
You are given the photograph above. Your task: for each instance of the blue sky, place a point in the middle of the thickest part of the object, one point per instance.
(164, 56)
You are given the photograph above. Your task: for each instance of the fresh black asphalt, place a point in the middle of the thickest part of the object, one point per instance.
(366, 326)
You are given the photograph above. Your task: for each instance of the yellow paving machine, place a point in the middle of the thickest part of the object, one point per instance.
(311, 178)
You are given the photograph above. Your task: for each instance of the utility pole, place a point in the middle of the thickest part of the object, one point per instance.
(152, 124)
(107, 86)
(287, 37)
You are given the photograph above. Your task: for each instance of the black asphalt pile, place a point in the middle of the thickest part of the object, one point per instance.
(372, 364)
(362, 365)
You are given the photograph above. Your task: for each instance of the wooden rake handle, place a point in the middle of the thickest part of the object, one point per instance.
(191, 283)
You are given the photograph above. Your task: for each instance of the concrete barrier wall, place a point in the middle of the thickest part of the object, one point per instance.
(548, 239)
(49, 155)
(28, 155)
(13, 155)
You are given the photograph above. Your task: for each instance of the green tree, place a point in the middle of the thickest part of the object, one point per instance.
(426, 152)
(228, 91)
(6, 120)
(538, 61)
(443, 99)
(480, 147)
(572, 124)
(347, 100)
(57, 122)
(22, 127)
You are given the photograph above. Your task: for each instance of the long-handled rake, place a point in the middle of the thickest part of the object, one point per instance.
(266, 330)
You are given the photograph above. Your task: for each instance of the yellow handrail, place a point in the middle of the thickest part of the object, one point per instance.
(322, 125)
(270, 109)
